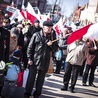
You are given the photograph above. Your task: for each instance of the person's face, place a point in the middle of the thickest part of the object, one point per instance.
(19, 28)
(1, 20)
(28, 26)
(47, 29)
(36, 24)
(5, 23)
(65, 31)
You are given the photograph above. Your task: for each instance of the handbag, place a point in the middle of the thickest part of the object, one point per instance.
(25, 77)
(58, 55)
(20, 79)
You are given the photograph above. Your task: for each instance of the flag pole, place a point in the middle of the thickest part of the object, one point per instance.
(24, 2)
(54, 6)
(59, 38)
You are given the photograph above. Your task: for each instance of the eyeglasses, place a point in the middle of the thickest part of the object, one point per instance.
(6, 22)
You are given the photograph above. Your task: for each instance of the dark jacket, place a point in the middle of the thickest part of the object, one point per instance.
(15, 61)
(20, 39)
(39, 52)
(33, 29)
(27, 37)
(4, 44)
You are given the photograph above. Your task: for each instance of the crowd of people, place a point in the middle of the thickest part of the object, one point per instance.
(31, 46)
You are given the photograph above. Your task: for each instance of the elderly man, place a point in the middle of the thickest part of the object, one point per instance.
(38, 53)
(76, 54)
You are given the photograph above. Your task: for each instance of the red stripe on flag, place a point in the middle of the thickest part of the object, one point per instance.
(78, 34)
(31, 17)
(21, 11)
(57, 30)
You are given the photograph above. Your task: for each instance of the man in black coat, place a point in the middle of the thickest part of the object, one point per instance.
(4, 42)
(38, 53)
(4, 46)
(35, 28)
(31, 30)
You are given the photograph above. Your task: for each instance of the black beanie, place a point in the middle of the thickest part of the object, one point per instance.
(36, 21)
(17, 53)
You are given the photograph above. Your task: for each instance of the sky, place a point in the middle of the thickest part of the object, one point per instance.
(68, 6)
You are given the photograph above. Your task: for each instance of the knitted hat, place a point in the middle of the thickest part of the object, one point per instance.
(36, 21)
(48, 23)
(14, 31)
(17, 53)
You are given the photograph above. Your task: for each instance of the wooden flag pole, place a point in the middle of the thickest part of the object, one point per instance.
(59, 38)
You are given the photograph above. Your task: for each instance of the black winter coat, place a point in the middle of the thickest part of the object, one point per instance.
(33, 29)
(39, 52)
(4, 44)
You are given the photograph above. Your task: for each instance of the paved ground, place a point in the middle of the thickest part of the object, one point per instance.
(53, 84)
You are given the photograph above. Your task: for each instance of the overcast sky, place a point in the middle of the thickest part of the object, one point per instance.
(68, 6)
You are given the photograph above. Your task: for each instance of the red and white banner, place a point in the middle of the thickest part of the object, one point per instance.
(78, 34)
(31, 15)
(92, 32)
(58, 27)
(18, 15)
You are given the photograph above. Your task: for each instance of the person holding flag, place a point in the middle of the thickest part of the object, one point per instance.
(76, 54)
(38, 54)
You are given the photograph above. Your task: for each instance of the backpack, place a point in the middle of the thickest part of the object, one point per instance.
(12, 72)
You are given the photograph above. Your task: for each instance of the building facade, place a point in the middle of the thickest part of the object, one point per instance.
(90, 13)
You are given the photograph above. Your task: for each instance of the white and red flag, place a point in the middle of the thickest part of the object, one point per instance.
(23, 12)
(31, 15)
(78, 34)
(92, 32)
(58, 27)
(17, 15)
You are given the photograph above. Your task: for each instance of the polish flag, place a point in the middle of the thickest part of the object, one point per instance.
(18, 15)
(12, 5)
(78, 34)
(23, 11)
(31, 15)
(92, 32)
(58, 27)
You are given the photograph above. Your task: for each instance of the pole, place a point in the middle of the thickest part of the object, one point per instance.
(54, 6)
(24, 2)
